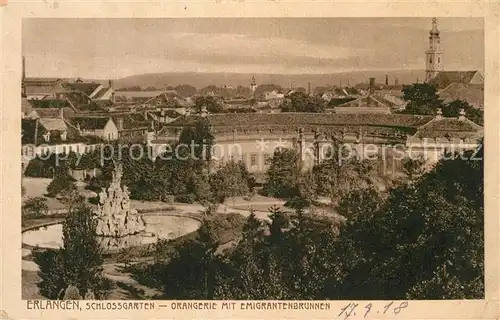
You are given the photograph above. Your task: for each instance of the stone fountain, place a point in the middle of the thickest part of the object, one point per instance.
(118, 225)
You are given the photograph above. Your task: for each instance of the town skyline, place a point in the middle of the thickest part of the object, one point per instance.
(243, 46)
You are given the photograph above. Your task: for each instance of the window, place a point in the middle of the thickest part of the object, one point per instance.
(439, 60)
(267, 159)
(430, 59)
(253, 159)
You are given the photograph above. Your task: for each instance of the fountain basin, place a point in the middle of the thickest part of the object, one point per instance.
(158, 226)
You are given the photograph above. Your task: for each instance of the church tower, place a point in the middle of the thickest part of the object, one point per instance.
(434, 55)
(253, 85)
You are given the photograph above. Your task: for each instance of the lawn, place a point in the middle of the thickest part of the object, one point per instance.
(37, 187)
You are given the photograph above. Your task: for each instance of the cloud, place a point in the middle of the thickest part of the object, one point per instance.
(244, 45)
(101, 48)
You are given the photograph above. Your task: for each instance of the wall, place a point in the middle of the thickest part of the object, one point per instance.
(110, 131)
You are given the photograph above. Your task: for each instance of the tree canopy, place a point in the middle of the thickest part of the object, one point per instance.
(423, 99)
(301, 102)
(422, 240)
(78, 263)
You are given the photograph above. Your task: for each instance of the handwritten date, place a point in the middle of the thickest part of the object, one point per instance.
(349, 311)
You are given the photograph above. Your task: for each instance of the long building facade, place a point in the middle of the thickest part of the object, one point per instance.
(253, 138)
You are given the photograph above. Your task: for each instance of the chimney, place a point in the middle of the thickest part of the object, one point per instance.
(112, 87)
(386, 80)
(309, 88)
(372, 83)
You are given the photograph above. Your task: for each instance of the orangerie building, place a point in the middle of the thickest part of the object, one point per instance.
(253, 137)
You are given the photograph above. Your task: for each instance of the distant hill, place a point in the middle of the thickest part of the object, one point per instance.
(200, 80)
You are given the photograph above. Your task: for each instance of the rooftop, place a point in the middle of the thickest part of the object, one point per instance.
(54, 124)
(298, 119)
(48, 112)
(471, 93)
(86, 88)
(445, 78)
(90, 122)
(29, 127)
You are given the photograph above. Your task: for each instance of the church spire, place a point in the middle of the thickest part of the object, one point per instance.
(434, 54)
(253, 84)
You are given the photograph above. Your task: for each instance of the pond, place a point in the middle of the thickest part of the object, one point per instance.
(158, 226)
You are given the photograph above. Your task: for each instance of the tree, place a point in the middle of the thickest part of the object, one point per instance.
(283, 174)
(454, 108)
(78, 263)
(335, 178)
(36, 207)
(429, 237)
(51, 272)
(301, 102)
(201, 138)
(62, 184)
(82, 252)
(190, 271)
(263, 88)
(209, 103)
(413, 167)
(422, 240)
(243, 276)
(229, 181)
(185, 90)
(422, 99)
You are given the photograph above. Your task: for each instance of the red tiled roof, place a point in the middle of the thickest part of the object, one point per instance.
(296, 120)
(471, 93)
(52, 124)
(86, 88)
(445, 78)
(38, 90)
(90, 122)
(449, 127)
(100, 93)
(28, 129)
(48, 112)
(138, 94)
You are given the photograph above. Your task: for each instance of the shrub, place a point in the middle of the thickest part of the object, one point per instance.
(35, 207)
(185, 198)
(297, 203)
(61, 184)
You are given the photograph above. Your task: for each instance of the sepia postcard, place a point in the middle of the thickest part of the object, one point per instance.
(249, 160)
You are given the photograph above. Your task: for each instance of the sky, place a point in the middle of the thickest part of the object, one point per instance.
(115, 48)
